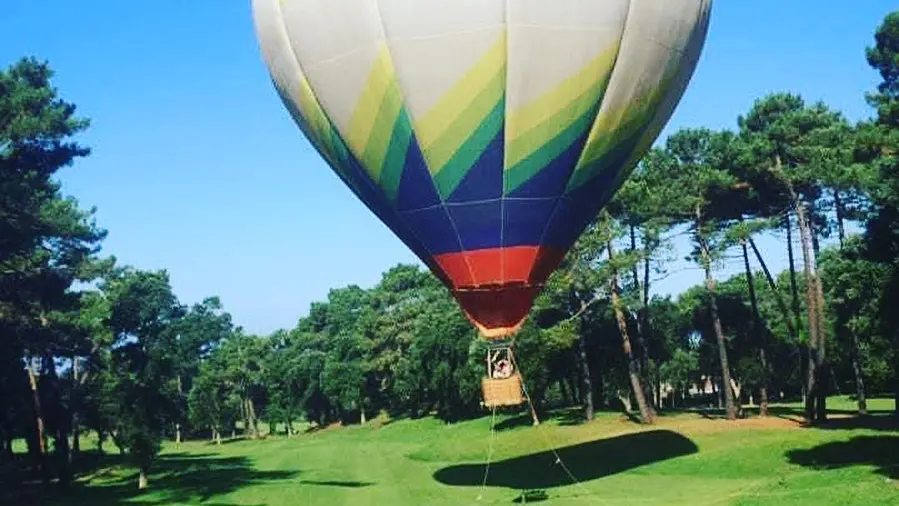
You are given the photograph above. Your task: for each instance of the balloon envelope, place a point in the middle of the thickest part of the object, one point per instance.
(486, 134)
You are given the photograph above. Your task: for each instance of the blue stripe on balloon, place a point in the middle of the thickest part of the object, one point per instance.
(371, 194)
(417, 190)
(433, 227)
(577, 209)
(525, 220)
(552, 179)
(484, 180)
(479, 224)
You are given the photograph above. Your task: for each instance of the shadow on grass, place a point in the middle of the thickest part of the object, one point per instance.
(342, 484)
(514, 423)
(175, 478)
(888, 423)
(586, 461)
(881, 452)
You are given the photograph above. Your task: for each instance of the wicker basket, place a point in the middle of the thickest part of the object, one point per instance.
(502, 392)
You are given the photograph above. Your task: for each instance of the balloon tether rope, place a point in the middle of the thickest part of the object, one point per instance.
(548, 443)
(489, 453)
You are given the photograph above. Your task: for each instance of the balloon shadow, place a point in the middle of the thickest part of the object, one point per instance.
(586, 461)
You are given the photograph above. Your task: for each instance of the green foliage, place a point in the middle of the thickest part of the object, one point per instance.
(682, 370)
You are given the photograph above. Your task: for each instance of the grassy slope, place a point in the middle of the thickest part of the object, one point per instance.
(684, 459)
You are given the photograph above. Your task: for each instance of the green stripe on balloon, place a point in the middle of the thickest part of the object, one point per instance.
(542, 157)
(448, 179)
(395, 158)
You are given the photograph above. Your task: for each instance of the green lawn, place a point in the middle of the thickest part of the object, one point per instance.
(685, 459)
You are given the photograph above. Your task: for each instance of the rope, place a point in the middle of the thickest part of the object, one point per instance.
(549, 445)
(489, 453)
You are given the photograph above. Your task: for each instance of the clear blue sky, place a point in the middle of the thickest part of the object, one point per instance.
(197, 168)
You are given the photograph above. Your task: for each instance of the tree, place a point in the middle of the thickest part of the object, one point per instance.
(785, 138)
(204, 327)
(144, 375)
(681, 372)
(855, 288)
(882, 229)
(47, 244)
(637, 206)
(695, 164)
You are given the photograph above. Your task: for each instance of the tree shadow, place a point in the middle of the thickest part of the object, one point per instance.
(879, 451)
(586, 461)
(841, 419)
(174, 479)
(888, 423)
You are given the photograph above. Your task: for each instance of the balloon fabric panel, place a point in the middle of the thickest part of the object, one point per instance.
(486, 134)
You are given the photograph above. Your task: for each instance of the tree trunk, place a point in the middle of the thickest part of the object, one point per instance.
(859, 376)
(896, 397)
(59, 413)
(717, 391)
(534, 418)
(647, 416)
(76, 407)
(841, 212)
(573, 388)
(585, 375)
(245, 416)
(816, 408)
(38, 414)
(8, 450)
(251, 410)
(40, 449)
(143, 478)
(642, 319)
(719, 332)
(625, 401)
(824, 372)
(362, 416)
(797, 311)
(812, 302)
(788, 319)
(658, 384)
(759, 333)
(599, 386)
(737, 389)
(647, 321)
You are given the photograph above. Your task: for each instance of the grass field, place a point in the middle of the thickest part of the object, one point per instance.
(685, 459)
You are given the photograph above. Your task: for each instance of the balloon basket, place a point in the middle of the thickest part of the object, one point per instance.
(501, 387)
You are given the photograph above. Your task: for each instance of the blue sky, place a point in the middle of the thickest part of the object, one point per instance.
(197, 168)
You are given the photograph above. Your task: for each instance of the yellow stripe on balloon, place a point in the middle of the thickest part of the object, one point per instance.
(616, 125)
(447, 125)
(313, 111)
(368, 115)
(535, 124)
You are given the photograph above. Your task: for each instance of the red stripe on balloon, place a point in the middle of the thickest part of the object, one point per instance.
(496, 287)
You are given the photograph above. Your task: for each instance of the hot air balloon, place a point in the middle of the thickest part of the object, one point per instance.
(486, 134)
